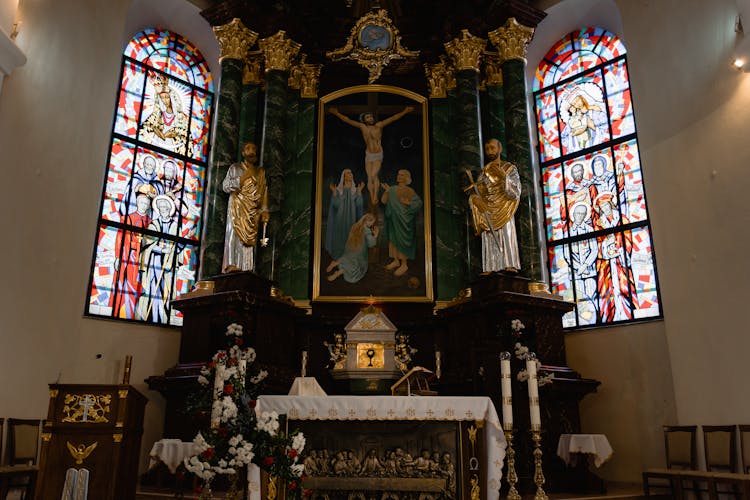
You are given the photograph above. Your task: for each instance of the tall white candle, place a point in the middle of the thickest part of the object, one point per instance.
(303, 373)
(536, 420)
(242, 370)
(506, 390)
(218, 389)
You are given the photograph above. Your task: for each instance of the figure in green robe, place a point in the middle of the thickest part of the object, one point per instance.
(402, 205)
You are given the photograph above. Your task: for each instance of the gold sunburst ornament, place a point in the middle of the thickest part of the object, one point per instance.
(373, 43)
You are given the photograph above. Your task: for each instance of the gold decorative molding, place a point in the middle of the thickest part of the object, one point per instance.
(123, 393)
(441, 78)
(119, 425)
(373, 43)
(511, 40)
(46, 436)
(53, 393)
(81, 452)
(466, 51)
(234, 39)
(117, 438)
(493, 74)
(309, 81)
(252, 75)
(279, 51)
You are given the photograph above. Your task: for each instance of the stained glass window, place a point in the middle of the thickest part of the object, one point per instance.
(598, 234)
(148, 239)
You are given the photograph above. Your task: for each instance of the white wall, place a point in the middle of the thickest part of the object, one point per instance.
(690, 110)
(55, 123)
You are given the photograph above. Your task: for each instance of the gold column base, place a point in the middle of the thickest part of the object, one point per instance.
(536, 436)
(511, 476)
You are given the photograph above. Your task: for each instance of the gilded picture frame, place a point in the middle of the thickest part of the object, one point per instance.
(387, 256)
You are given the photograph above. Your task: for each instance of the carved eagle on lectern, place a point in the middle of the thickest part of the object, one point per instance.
(81, 452)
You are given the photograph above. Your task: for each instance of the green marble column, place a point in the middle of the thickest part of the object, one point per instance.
(248, 131)
(274, 138)
(511, 41)
(518, 149)
(494, 114)
(296, 210)
(223, 154)
(448, 202)
(469, 137)
(235, 40)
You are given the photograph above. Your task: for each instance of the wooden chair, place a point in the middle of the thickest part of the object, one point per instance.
(745, 447)
(679, 445)
(23, 452)
(2, 450)
(680, 451)
(719, 445)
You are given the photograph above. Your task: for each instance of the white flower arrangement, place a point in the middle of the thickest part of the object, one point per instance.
(237, 434)
(521, 352)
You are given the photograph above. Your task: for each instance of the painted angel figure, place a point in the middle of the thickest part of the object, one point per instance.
(583, 113)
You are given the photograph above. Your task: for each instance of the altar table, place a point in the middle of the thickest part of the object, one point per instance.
(402, 408)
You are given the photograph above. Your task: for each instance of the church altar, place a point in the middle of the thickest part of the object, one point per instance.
(477, 458)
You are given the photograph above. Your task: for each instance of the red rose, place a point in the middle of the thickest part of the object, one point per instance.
(252, 403)
(238, 340)
(232, 362)
(208, 454)
(268, 461)
(228, 389)
(292, 485)
(212, 365)
(292, 453)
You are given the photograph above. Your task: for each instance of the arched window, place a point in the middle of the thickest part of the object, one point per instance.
(598, 235)
(148, 239)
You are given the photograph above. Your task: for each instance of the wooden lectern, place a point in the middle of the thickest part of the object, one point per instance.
(95, 427)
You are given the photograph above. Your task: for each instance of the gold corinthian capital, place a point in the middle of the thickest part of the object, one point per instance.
(441, 78)
(466, 51)
(279, 51)
(234, 39)
(253, 73)
(511, 40)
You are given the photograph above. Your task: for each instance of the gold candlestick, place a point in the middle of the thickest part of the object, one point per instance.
(512, 477)
(128, 367)
(536, 436)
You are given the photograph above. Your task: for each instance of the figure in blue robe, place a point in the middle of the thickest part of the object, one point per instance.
(344, 210)
(352, 265)
(402, 206)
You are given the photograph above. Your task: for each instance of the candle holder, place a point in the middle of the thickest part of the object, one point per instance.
(536, 436)
(510, 455)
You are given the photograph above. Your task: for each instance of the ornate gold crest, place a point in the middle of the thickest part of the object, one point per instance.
(373, 42)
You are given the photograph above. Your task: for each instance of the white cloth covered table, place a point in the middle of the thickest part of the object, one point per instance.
(171, 452)
(394, 408)
(596, 445)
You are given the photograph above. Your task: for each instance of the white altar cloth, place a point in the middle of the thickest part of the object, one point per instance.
(590, 444)
(394, 408)
(171, 452)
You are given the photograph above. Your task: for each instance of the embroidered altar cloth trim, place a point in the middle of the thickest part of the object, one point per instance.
(590, 444)
(395, 408)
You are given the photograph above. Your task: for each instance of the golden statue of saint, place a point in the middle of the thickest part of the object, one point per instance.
(248, 206)
(493, 204)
